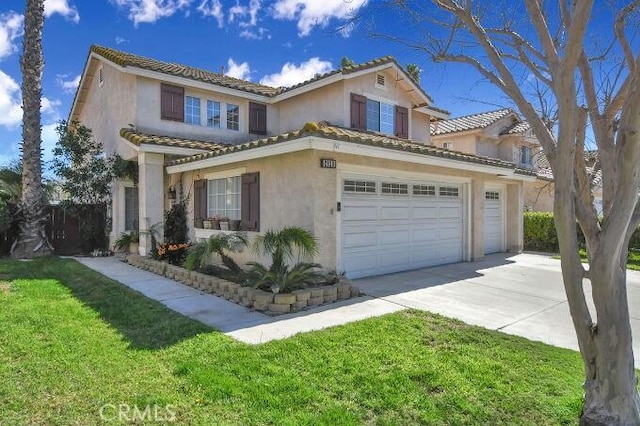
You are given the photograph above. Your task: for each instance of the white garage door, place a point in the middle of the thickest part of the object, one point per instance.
(493, 226)
(390, 226)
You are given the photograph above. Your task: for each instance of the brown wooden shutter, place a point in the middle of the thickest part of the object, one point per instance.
(199, 202)
(402, 122)
(250, 203)
(358, 112)
(171, 102)
(257, 118)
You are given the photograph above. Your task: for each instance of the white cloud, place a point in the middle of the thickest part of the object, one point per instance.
(250, 11)
(212, 8)
(292, 74)
(312, 13)
(69, 86)
(61, 7)
(149, 11)
(10, 29)
(255, 33)
(120, 40)
(241, 71)
(11, 103)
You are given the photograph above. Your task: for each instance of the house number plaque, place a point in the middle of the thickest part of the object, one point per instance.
(328, 163)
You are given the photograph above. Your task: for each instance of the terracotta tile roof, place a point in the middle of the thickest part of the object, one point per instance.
(590, 157)
(517, 128)
(125, 59)
(138, 138)
(468, 122)
(324, 130)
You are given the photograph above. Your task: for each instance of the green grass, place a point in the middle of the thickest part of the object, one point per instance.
(72, 341)
(633, 259)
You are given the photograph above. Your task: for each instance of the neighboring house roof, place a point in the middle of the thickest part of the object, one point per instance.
(468, 122)
(590, 157)
(125, 59)
(325, 130)
(138, 138)
(517, 128)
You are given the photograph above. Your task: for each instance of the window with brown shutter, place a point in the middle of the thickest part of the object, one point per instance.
(402, 122)
(358, 112)
(257, 118)
(199, 202)
(250, 203)
(171, 102)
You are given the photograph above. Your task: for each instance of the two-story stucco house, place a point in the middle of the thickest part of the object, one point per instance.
(346, 155)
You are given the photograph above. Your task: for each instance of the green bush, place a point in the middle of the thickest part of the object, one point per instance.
(540, 234)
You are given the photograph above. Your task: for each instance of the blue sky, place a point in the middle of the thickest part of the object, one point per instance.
(279, 42)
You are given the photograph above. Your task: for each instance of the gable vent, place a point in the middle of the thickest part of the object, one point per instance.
(380, 80)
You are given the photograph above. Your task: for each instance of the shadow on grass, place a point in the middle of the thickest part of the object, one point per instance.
(144, 323)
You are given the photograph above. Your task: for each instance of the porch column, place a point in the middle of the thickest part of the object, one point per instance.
(151, 197)
(477, 218)
(515, 219)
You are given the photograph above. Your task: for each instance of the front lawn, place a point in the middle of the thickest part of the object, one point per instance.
(74, 344)
(633, 259)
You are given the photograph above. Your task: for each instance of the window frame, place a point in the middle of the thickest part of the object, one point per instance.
(231, 114)
(236, 191)
(528, 158)
(136, 220)
(384, 113)
(359, 186)
(190, 114)
(211, 118)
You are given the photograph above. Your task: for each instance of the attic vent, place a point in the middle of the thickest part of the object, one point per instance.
(100, 76)
(380, 79)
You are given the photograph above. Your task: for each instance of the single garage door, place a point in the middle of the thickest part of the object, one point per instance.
(391, 226)
(493, 226)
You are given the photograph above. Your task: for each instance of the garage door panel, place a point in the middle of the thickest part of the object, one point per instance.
(427, 212)
(394, 213)
(424, 235)
(395, 259)
(450, 212)
(394, 237)
(360, 239)
(360, 212)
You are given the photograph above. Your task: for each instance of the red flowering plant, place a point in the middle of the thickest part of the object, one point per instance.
(175, 254)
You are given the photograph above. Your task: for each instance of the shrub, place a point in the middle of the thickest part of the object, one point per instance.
(284, 280)
(175, 254)
(540, 234)
(175, 223)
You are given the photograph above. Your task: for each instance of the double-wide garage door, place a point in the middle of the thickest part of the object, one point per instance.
(391, 225)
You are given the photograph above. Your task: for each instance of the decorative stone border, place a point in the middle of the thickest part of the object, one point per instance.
(269, 303)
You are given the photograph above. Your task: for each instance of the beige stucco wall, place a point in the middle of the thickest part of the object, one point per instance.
(148, 115)
(296, 191)
(462, 142)
(326, 103)
(538, 196)
(109, 107)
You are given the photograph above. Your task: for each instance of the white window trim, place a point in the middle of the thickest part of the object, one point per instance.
(225, 174)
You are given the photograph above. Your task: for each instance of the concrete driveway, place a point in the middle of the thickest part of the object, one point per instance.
(517, 294)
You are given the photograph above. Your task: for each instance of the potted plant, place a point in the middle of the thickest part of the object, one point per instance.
(216, 221)
(234, 225)
(224, 224)
(207, 223)
(128, 241)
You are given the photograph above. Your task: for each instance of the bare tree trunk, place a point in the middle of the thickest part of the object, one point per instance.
(32, 240)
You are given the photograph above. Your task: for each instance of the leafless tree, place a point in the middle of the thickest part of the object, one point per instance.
(579, 90)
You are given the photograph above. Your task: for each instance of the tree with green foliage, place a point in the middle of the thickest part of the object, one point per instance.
(32, 240)
(87, 176)
(414, 72)
(346, 62)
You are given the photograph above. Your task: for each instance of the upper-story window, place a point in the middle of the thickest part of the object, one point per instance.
(380, 117)
(447, 145)
(368, 114)
(213, 114)
(233, 117)
(526, 156)
(192, 110)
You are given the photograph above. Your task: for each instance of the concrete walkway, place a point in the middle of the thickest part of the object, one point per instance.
(232, 319)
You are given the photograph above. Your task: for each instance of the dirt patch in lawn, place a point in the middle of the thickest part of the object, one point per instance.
(5, 287)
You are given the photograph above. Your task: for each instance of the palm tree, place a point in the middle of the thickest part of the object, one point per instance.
(221, 245)
(32, 240)
(283, 245)
(414, 72)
